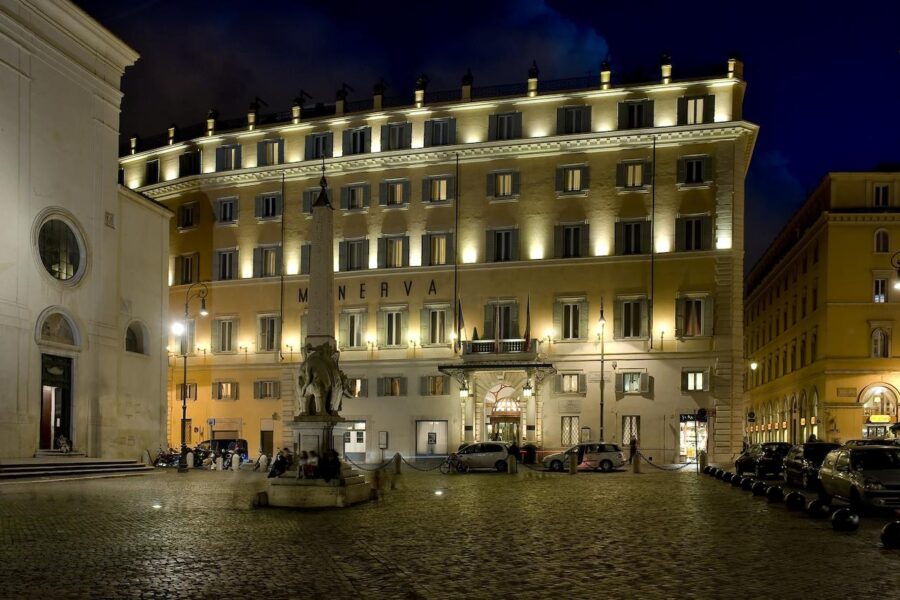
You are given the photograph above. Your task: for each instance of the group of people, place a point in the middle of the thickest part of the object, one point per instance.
(309, 464)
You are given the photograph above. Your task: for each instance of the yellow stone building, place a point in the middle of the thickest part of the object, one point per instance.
(559, 202)
(820, 311)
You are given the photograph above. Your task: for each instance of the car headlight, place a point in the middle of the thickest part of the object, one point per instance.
(873, 484)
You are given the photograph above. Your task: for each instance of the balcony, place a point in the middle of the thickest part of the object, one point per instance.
(489, 349)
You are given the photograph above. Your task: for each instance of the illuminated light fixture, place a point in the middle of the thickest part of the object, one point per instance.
(178, 328)
(803, 421)
(203, 311)
(464, 391)
(527, 391)
(438, 492)
(813, 420)
(754, 365)
(156, 506)
(784, 424)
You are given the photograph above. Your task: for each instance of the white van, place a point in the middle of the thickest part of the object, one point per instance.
(592, 455)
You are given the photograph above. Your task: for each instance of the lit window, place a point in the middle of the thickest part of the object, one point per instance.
(571, 321)
(694, 110)
(268, 334)
(355, 330)
(631, 382)
(882, 241)
(572, 179)
(223, 335)
(569, 383)
(434, 385)
(881, 195)
(634, 174)
(880, 347)
(693, 317)
(438, 249)
(438, 189)
(503, 185)
(393, 329)
(356, 197)
(694, 381)
(437, 326)
(880, 291)
(395, 195)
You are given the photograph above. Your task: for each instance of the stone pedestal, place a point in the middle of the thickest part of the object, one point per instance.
(320, 433)
(349, 489)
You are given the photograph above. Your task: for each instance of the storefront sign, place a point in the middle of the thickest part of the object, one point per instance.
(687, 418)
(383, 290)
(880, 419)
(846, 392)
(570, 405)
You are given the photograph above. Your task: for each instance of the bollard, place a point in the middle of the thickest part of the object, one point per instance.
(219, 463)
(636, 462)
(512, 466)
(573, 463)
(236, 462)
(264, 463)
(397, 463)
(844, 519)
(190, 460)
(890, 535)
(703, 460)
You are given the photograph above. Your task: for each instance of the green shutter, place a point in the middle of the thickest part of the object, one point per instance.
(492, 127)
(583, 327)
(708, 316)
(709, 108)
(344, 330)
(560, 179)
(645, 318)
(382, 253)
(645, 383)
(682, 171)
(620, 383)
(426, 249)
(706, 232)
(488, 321)
(426, 189)
(584, 240)
(618, 327)
(381, 327)
(682, 111)
(557, 319)
(561, 121)
(429, 127)
(582, 383)
(620, 238)
(386, 138)
(424, 323)
(679, 317)
(558, 238)
(382, 194)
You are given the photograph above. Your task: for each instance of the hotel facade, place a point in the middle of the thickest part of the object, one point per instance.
(516, 216)
(821, 308)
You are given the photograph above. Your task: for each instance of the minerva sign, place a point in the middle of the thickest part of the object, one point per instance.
(383, 290)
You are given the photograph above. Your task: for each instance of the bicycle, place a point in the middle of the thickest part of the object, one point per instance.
(453, 463)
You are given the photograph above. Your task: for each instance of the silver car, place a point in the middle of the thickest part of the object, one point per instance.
(864, 476)
(485, 455)
(593, 455)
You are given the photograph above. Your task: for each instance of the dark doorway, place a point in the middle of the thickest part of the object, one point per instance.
(56, 400)
(267, 442)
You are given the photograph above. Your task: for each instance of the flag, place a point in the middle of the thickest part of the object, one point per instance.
(460, 322)
(528, 324)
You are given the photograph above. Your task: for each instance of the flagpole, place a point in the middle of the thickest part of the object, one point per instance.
(456, 323)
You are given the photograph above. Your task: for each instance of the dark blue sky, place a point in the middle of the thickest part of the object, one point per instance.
(823, 82)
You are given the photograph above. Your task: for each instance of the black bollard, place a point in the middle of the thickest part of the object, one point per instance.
(890, 535)
(727, 476)
(747, 484)
(817, 509)
(719, 473)
(774, 494)
(794, 501)
(736, 480)
(707, 469)
(759, 488)
(844, 519)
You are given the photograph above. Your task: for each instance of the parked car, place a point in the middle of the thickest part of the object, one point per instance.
(801, 465)
(485, 455)
(762, 459)
(873, 442)
(596, 455)
(864, 476)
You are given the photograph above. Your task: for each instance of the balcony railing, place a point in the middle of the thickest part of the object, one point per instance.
(513, 346)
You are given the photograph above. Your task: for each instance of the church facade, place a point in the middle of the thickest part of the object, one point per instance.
(550, 262)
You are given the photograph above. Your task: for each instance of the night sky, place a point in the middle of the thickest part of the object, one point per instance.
(823, 82)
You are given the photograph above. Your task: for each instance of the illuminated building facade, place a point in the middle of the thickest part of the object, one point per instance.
(556, 198)
(820, 312)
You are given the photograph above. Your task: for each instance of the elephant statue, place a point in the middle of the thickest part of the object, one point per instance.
(322, 384)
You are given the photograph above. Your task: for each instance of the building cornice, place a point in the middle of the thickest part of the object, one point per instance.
(446, 155)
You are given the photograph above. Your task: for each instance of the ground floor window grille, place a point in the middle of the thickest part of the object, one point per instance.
(570, 431)
(631, 428)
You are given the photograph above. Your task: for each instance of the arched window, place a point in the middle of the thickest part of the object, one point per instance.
(880, 343)
(882, 241)
(135, 338)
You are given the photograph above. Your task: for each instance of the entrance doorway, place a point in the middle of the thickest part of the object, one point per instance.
(56, 401)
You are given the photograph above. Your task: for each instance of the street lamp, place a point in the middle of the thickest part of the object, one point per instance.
(527, 391)
(895, 262)
(197, 290)
(602, 364)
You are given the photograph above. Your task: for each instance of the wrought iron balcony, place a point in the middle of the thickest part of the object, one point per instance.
(488, 347)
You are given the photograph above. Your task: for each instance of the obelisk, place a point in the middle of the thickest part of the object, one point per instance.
(320, 327)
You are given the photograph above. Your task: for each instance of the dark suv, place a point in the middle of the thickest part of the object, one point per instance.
(762, 459)
(801, 465)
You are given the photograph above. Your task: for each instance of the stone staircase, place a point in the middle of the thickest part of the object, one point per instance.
(67, 466)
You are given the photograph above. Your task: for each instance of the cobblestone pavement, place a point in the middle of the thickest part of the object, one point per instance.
(531, 535)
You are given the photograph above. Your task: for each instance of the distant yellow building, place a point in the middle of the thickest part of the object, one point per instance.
(557, 199)
(820, 312)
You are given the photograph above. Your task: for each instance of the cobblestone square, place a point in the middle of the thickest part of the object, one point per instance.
(485, 535)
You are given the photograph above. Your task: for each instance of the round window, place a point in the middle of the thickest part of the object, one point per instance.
(59, 250)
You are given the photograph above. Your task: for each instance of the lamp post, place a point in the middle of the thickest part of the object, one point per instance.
(895, 262)
(602, 365)
(180, 330)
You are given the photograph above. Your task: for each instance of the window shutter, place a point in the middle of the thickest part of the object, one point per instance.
(220, 159)
(584, 240)
(217, 265)
(680, 235)
(216, 391)
(452, 130)
(280, 151)
(367, 140)
(310, 147)
(423, 385)
(367, 195)
(429, 129)
(561, 121)
(214, 334)
(279, 205)
(382, 193)
(682, 171)
(492, 127)
(560, 179)
(706, 232)
(364, 387)
(645, 383)
(307, 201)
(404, 327)
(407, 135)
(257, 390)
(426, 249)
(345, 139)
(426, 189)
(621, 173)
(304, 259)
(386, 138)
(380, 383)
(647, 117)
(514, 321)
(681, 112)
(343, 330)
(406, 192)
(514, 241)
(707, 379)
(261, 154)
(488, 322)
(709, 108)
(491, 185)
(406, 251)
(345, 197)
(403, 386)
(303, 328)
(708, 316)
(684, 381)
(558, 239)
(451, 188)
(177, 270)
(707, 168)
(489, 254)
(381, 326)
(585, 177)
(424, 326)
(679, 317)
(515, 183)
(237, 156)
(259, 207)
(646, 242)
(582, 383)
(517, 125)
(279, 260)
(645, 318)
(257, 262)
(620, 238)
(648, 174)
(557, 319)
(620, 383)
(365, 254)
(583, 321)
(586, 125)
(329, 145)
(623, 115)
(451, 250)
(342, 256)
(446, 386)
(382, 253)
(557, 383)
